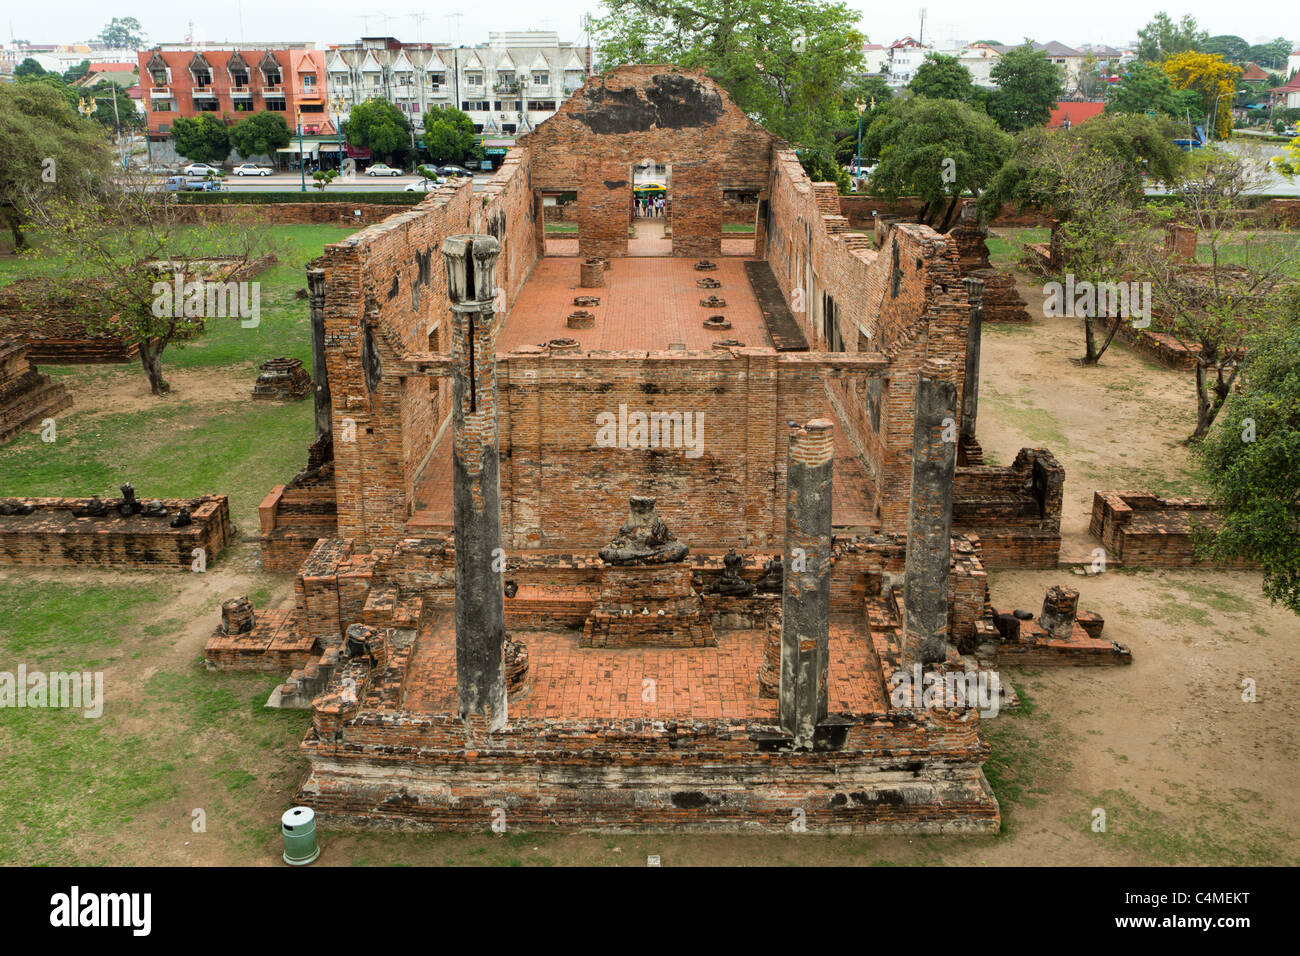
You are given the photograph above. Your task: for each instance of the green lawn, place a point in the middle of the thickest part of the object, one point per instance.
(1007, 245)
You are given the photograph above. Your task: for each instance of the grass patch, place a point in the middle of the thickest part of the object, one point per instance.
(561, 228)
(1006, 246)
(1023, 758)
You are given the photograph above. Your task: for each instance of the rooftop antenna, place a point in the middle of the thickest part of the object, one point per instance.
(419, 18)
(456, 17)
(921, 39)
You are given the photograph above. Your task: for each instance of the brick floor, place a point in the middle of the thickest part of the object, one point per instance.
(731, 246)
(568, 681)
(645, 304)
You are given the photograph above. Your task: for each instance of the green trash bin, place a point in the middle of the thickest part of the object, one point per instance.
(299, 828)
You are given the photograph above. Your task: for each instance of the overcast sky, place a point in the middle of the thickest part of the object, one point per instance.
(339, 21)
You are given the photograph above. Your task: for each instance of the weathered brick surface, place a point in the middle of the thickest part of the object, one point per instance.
(52, 537)
(662, 113)
(27, 397)
(1146, 531)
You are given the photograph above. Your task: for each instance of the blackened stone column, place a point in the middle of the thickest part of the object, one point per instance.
(806, 595)
(970, 396)
(319, 374)
(480, 596)
(929, 522)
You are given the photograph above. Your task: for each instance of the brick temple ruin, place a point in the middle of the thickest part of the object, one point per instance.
(646, 571)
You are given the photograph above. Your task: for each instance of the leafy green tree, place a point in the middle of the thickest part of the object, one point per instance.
(942, 77)
(28, 68)
(787, 63)
(130, 246)
(1243, 289)
(937, 150)
(1249, 464)
(1146, 88)
(201, 139)
(49, 151)
(1232, 48)
(102, 94)
(1272, 55)
(260, 134)
(323, 177)
(379, 126)
(1162, 37)
(449, 135)
(1090, 178)
(124, 33)
(77, 72)
(1029, 86)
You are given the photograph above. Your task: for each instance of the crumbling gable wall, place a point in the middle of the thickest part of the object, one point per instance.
(660, 113)
(386, 301)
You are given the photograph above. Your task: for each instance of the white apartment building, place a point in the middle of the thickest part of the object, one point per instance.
(507, 85)
(905, 58)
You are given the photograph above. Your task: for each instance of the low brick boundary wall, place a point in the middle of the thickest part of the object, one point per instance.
(27, 397)
(52, 537)
(1144, 530)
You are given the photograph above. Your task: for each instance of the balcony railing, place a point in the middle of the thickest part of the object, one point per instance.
(506, 87)
(208, 90)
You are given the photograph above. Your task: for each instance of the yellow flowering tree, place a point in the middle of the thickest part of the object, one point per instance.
(1213, 78)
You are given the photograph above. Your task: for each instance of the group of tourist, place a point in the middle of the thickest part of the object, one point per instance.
(649, 206)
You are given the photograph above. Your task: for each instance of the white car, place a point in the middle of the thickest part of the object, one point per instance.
(424, 185)
(380, 169)
(251, 169)
(201, 169)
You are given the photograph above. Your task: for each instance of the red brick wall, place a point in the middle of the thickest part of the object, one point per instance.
(664, 113)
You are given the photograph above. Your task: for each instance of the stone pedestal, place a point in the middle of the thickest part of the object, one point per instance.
(1060, 608)
(591, 273)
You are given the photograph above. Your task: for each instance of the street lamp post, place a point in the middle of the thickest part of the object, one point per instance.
(1214, 113)
(857, 157)
(302, 161)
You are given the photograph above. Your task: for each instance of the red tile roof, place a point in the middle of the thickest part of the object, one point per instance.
(1075, 112)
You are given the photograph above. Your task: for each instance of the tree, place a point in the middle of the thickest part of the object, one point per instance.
(1232, 48)
(1212, 79)
(123, 34)
(379, 126)
(1146, 88)
(1241, 289)
(28, 68)
(1091, 179)
(1162, 37)
(49, 151)
(1272, 55)
(77, 72)
(449, 135)
(1029, 85)
(786, 63)
(102, 94)
(934, 149)
(1249, 464)
(260, 134)
(942, 77)
(128, 245)
(202, 139)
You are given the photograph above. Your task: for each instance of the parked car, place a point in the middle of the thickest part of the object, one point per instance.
(192, 184)
(382, 169)
(201, 169)
(450, 171)
(158, 169)
(424, 185)
(251, 169)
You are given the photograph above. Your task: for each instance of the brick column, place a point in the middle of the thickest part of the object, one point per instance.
(480, 598)
(319, 374)
(806, 597)
(929, 522)
(970, 394)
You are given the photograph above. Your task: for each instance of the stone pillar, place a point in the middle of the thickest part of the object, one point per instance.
(970, 395)
(1060, 608)
(1180, 243)
(480, 596)
(929, 522)
(319, 374)
(806, 596)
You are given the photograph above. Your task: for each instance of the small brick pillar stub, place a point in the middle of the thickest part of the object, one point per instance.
(806, 595)
(319, 374)
(1180, 242)
(971, 382)
(237, 616)
(929, 523)
(480, 594)
(591, 273)
(1060, 608)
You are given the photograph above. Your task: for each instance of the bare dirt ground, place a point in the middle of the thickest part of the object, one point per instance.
(1184, 769)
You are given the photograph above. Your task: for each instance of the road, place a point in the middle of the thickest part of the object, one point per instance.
(292, 182)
